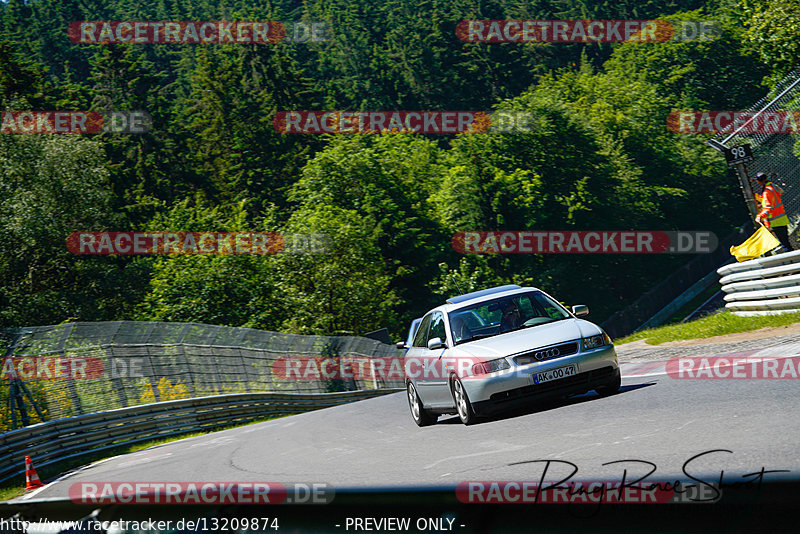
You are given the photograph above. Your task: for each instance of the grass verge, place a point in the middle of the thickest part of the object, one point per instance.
(712, 325)
(12, 490)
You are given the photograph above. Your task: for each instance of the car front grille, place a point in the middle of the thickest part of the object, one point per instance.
(582, 381)
(546, 353)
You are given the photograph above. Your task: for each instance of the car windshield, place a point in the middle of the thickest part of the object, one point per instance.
(503, 315)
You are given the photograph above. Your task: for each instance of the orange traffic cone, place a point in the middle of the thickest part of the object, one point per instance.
(31, 477)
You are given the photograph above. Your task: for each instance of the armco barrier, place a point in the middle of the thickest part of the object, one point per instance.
(78, 437)
(762, 286)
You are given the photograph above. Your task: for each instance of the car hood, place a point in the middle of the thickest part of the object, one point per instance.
(529, 338)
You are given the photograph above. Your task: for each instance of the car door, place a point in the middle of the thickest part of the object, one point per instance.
(434, 374)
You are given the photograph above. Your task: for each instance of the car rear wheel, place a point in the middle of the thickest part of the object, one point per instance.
(463, 405)
(610, 388)
(421, 416)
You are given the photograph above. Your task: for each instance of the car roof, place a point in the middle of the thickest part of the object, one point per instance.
(481, 293)
(482, 296)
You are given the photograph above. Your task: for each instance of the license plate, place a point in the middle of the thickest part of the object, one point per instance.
(554, 374)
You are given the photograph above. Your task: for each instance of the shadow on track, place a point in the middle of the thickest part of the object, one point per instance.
(549, 404)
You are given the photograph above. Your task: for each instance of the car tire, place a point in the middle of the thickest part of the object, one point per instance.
(461, 400)
(610, 388)
(419, 414)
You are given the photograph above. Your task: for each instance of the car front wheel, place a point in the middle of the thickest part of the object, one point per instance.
(421, 416)
(610, 388)
(463, 405)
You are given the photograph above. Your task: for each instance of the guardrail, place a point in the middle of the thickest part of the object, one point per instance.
(762, 286)
(70, 438)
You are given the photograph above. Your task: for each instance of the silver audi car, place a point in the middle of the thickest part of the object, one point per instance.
(486, 351)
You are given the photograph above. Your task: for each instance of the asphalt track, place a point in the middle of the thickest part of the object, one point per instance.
(656, 422)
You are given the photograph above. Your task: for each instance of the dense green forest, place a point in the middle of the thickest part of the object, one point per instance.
(600, 158)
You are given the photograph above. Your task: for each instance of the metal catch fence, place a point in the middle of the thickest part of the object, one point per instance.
(52, 372)
(773, 140)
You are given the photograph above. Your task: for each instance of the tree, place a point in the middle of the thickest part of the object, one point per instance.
(51, 186)
(345, 290)
(146, 168)
(233, 144)
(225, 289)
(772, 31)
(23, 82)
(386, 180)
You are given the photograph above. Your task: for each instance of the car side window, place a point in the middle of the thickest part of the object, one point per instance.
(437, 327)
(421, 338)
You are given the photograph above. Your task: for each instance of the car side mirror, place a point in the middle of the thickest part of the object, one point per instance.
(400, 345)
(435, 343)
(580, 310)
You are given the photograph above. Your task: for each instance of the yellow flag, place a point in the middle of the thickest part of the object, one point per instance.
(757, 244)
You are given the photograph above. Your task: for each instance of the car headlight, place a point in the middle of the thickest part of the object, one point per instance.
(600, 340)
(491, 366)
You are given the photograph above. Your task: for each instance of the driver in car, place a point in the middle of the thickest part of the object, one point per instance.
(511, 317)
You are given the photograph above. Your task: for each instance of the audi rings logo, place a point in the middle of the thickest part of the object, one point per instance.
(546, 354)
